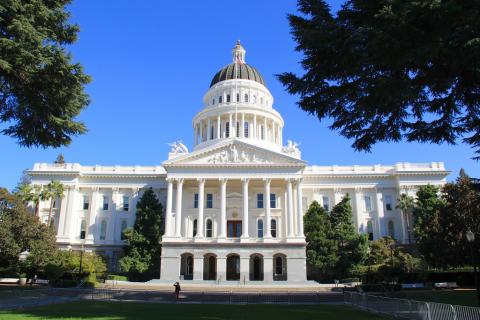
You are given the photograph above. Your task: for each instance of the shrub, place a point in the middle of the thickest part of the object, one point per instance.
(117, 277)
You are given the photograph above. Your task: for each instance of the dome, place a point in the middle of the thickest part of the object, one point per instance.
(244, 71)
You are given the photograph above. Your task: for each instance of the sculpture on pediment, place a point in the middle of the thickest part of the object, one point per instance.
(291, 148)
(178, 147)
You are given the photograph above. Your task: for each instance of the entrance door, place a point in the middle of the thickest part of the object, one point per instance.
(212, 270)
(234, 229)
(233, 267)
(256, 268)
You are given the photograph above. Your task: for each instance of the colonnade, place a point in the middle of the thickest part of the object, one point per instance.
(175, 230)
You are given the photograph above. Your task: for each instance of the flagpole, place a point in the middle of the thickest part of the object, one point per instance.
(236, 93)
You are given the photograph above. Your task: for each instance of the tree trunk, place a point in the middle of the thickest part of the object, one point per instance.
(37, 208)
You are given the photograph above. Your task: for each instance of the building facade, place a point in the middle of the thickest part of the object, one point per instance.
(234, 204)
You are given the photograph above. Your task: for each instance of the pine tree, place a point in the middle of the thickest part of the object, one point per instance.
(142, 254)
(321, 251)
(351, 246)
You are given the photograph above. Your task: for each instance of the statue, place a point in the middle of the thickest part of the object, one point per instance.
(291, 148)
(178, 147)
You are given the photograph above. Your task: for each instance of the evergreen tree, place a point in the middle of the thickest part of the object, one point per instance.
(351, 246)
(427, 226)
(142, 254)
(41, 89)
(379, 68)
(321, 250)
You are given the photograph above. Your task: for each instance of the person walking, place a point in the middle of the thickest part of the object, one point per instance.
(177, 290)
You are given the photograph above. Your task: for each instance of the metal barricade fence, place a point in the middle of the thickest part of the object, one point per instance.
(410, 309)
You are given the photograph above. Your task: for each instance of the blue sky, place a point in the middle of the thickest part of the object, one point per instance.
(151, 63)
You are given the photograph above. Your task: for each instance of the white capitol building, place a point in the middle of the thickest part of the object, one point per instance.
(234, 204)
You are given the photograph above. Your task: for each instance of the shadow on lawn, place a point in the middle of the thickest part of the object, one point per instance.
(128, 310)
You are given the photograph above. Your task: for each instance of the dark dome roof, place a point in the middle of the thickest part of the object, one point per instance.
(244, 71)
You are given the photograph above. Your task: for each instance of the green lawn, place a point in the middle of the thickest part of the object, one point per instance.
(132, 310)
(8, 291)
(460, 297)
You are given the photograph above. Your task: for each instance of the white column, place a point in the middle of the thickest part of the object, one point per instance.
(178, 219)
(242, 128)
(168, 214)
(299, 209)
(254, 131)
(218, 127)
(231, 129)
(290, 226)
(93, 213)
(358, 210)
(268, 216)
(245, 208)
(209, 129)
(265, 131)
(223, 208)
(380, 215)
(195, 135)
(63, 212)
(201, 197)
(278, 135)
(72, 229)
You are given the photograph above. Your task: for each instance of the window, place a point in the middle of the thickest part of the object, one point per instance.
(370, 230)
(227, 129)
(368, 203)
(238, 129)
(326, 203)
(85, 202)
(213, 101)
(209, 227)
(220, 99)
(260, 228)
(245, 129)
(125, 203)
(273, 228)
(388, 203)
(195, 200)
(209, 200)
(391, 229)
(105, 203)
(238, 97)
(122, 229)
(228, 98)
(261, 100)
(194, 227)
(273, 200)
(260, 200)
(246, 97)
(83, 229)
(103, 230)
(212, 128)
(278, 265)
(262, 133)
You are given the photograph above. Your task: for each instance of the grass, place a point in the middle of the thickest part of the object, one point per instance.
(9, 290)
(132, 310)
(459, 297)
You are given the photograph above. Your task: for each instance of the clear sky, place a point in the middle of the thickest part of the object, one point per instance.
(152, 62)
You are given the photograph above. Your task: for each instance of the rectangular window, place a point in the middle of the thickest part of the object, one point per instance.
(368, 203)
(388, 203)
(238, 97)
(234, 229)
(326, 203)
(227, 129)
(245, 129)
(195, 200)
(273, 200)
(220, 99)
(105, 203)
(238, 129)
(212, 128)
(85, 202)
(260, 200)
(228, 98)
(209, 200)
(125, 203)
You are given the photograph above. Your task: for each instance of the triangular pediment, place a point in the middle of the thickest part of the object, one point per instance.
(233, 153)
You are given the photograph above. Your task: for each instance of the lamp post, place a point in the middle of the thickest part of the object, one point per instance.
(471, 239)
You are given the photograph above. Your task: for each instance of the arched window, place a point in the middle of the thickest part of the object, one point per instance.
(103, 230)
(227, 129)
(260, 228)
(209, 228)
(278, 265)
(273, 228)
(238, 129)
(228, 98)
(220, 99)
(194, 227)
(246, 97)
(370, 230)
(83, 229)
(245, 129)
(122, 229)
(391, 229)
